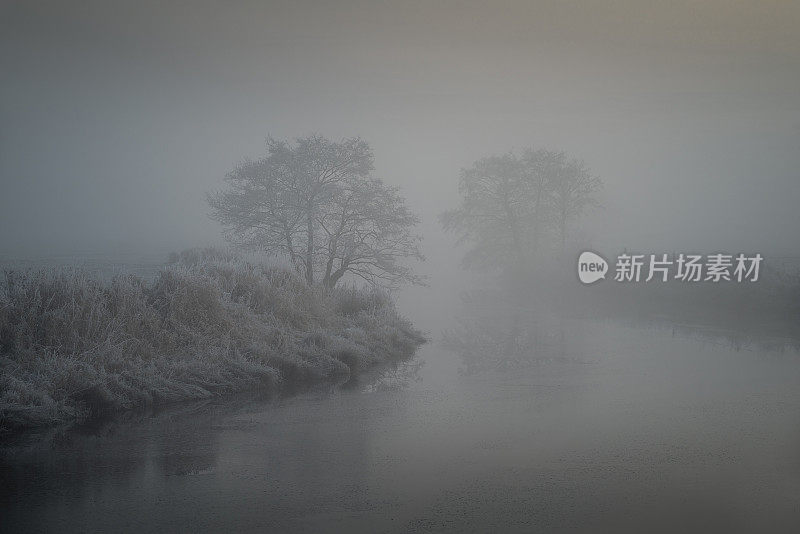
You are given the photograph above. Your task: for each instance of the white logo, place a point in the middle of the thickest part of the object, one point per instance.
(591, 267)
(665, 267)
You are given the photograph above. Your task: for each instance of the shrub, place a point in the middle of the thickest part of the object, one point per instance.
(72, 346)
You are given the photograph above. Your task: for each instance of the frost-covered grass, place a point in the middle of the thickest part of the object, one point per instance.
(74, 346)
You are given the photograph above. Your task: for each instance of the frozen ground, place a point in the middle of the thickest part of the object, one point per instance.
(78, 342)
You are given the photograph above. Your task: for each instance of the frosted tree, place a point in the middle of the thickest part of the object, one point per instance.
(511, 205)
(316, 202)
(572, 188)
(495, 214)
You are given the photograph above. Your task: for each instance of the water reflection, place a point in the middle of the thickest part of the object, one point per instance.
(493, 333)
(398, 376)
(122, 452)
(570, 425)
(492, 342)
(243, 444)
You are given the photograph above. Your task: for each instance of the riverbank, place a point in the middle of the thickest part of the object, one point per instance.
(614, 428)
(74, 346)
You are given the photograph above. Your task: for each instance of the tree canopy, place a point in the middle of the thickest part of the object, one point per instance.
(316, 202)
(512, 207)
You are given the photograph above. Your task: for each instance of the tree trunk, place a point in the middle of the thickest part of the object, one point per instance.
(310, 249)
(330, 281)
(537, 221)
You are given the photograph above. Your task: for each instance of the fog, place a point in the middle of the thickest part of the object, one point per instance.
(118, 118)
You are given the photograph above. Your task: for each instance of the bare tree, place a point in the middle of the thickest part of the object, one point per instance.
(316, 202)
(539, 168)
(495, 212)
(572, 189)
(510, 205)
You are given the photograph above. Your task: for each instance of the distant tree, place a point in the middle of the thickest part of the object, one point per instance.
(572, 189)
(510, 205)
(495, 212)
(540, 167)
(316, 202)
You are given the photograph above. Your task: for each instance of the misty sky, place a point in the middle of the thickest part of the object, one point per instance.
(116, 118)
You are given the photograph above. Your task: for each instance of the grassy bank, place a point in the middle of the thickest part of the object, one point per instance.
(74, 346)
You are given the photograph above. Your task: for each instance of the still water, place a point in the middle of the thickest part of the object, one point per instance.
(611, 428)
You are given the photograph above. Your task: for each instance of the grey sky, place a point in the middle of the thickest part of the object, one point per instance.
(116, 118)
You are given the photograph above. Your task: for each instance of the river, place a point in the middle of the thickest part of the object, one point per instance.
(615, 427)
